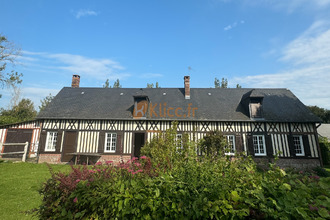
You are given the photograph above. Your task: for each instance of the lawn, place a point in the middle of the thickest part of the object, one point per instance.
(19, 184)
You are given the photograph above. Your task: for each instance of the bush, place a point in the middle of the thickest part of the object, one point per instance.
(325, 150)
(174, 183)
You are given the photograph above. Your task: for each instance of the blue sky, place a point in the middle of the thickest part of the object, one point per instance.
(258, 44)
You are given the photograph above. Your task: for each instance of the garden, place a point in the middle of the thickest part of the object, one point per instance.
(170, 181)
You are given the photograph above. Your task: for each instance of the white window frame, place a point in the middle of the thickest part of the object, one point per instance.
(178, 138)
(258, 145)
(301, 145)
(51, 141)
(234, 145)
(110, 142)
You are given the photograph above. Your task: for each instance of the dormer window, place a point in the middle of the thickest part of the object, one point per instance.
(256, 108)
(140, 106)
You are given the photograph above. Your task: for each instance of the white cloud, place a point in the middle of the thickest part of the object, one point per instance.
(233, 25)
(37, 93)
(75, 64)
(311, 48)
(309, 78)
(85, 12)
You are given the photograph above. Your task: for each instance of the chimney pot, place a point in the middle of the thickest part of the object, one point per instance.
(75, 81)
(186, 87)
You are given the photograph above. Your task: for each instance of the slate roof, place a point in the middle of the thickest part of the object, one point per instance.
(213, 104)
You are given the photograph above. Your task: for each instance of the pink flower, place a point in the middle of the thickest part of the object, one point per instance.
(75, 200)
(109, 162)
(99, 163)
(143, 157)
(301, 172)
(134, 158)
(138, 164)
(139, 171)
(78, 180)
(98, 170)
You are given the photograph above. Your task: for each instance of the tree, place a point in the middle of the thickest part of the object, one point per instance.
(8, 54)
(24, 111)
(152, 85)
(322, 113)
(223, 84)
(116, 84)
(107, 84)
(216, 83)
(45, 102)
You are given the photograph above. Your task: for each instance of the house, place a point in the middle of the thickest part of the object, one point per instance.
(114, 123)
(22, 132)
(324, 131)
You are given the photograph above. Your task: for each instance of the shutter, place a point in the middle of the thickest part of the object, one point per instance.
(291, 146)
(269, 147)
(59, 141)
(118, 144)
(250, 149)
(238, 144)
(101, 142)
(42, 142)
(307, 148)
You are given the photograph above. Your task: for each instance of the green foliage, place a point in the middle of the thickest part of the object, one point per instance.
(223, 84)
(107, 84)
(45, 102)
(325, 150)
(8, 54)
(323, 114)
(24, 111)
(173, 182)
(151, 85)
(116, 84)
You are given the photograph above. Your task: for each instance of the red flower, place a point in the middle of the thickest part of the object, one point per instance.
(143, 157)
(99, 163)
(75, 200)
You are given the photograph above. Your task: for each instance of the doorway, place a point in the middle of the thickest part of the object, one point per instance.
(17, 136)
(139, 141)
(69, 146)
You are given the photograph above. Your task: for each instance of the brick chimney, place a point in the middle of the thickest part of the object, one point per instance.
(75, 81)
(186, 87)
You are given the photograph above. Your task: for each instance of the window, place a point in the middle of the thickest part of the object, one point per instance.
(179, 142)
(298, 145)
(230, 148)
(51, 141)
(110, 142)
(256, 110)
(259, 145)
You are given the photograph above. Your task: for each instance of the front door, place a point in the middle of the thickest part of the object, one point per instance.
(69, 146)
(17, 136)
(139, 141)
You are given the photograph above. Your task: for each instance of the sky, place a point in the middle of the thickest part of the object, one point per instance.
(254, 43)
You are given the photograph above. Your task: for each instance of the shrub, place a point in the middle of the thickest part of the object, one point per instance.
(174, 183)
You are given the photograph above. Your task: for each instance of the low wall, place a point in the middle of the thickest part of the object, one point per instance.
(49, 158)
(301, 164)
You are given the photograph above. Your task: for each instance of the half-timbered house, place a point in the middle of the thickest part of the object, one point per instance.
(114, 123)
(19, 133)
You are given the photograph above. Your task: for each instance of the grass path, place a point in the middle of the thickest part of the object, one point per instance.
(19, 184)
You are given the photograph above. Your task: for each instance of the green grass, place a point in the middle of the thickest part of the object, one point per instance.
(19, 184)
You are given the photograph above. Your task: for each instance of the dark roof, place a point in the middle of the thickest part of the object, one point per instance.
(279, 105)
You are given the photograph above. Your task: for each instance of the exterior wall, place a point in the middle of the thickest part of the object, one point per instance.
(300, 164)
(278, 136)
(49, 158)
(34, 142)
(115, 158)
